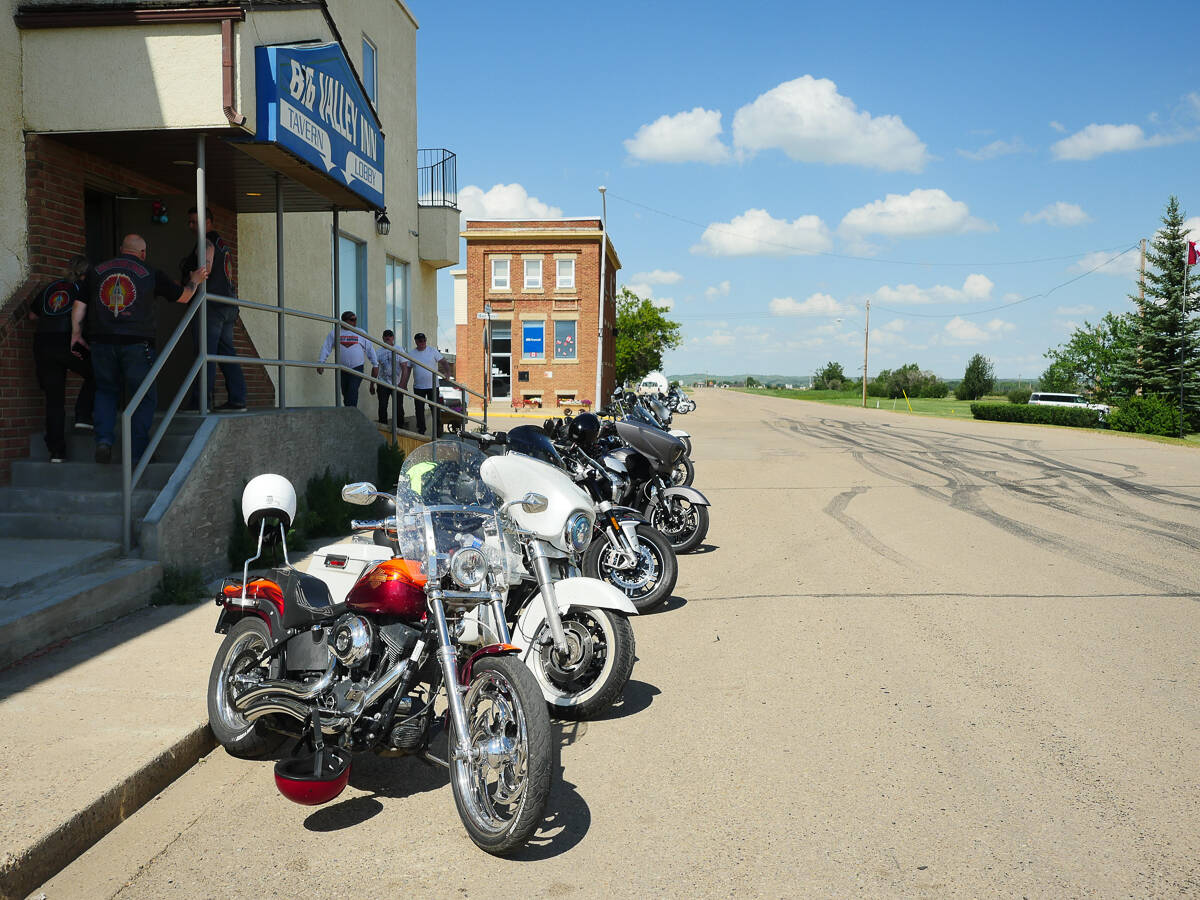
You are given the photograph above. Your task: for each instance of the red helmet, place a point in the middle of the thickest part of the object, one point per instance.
(313, 778)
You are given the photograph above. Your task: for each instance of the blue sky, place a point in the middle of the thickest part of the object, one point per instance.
(771, 166)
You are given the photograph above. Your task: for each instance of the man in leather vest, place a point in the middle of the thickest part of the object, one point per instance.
(120, 296)
(221, 316)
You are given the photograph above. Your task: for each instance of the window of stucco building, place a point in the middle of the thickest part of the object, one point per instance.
(370, 72)
(352, 262)
(396, 298)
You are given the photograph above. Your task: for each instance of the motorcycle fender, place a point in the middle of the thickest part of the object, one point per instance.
(464, 676)
(232, 612)
(569, 592)
(682, 435)
(690, 494)
(628, 513)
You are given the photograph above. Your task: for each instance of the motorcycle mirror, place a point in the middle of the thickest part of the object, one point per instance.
(534, 503)
(360, 493)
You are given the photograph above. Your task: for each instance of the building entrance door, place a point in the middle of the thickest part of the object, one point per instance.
(501, 362)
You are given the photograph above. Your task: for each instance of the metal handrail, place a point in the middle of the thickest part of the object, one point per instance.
(130, 476)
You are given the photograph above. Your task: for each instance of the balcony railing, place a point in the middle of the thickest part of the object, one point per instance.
(437, 178)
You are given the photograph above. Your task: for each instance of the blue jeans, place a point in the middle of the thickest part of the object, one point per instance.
(350, 386)
(221, 319)
(118, 366)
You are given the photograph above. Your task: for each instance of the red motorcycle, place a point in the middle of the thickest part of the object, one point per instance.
(380, 669)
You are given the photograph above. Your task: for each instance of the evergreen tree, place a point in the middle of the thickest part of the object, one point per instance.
(1167, 325)
(978, 379)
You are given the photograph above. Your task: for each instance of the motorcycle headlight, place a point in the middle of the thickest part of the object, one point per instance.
(468, 567)
(579, 531)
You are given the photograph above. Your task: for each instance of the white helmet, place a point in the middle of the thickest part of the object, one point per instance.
(269, 497)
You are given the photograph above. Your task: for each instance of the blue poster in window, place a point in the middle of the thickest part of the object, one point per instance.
(310, 103)
(535, 340)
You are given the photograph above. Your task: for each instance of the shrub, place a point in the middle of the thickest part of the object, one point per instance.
(391, 459)
(935, 390)
(1076, 417)
(178, 587)
(1151, 414)
(327, 514)
(1019, 395)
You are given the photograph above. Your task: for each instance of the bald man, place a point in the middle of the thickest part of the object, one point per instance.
(120, 313)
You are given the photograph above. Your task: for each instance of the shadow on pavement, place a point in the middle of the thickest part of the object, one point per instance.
(703, 548)
(637, 696)
(568, 816)
(384, 777)
(671, 604)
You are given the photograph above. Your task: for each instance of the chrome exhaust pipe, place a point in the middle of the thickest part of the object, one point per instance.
(330, 724)
(294, 690)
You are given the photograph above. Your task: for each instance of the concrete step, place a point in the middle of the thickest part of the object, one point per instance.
(84, 503)
(81, 446)
(30, 563)
(63, 608)
(28, 473)
(47, 525)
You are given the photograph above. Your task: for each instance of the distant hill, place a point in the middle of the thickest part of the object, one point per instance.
(769, 380)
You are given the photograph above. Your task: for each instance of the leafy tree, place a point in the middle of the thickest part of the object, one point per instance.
(910, 380)
(1168, 330)
(643, 335)
(978, 379)
(1099, 360)
(751, 381)
(831, 378)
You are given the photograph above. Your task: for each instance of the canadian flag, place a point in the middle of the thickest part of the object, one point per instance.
(1193, 253)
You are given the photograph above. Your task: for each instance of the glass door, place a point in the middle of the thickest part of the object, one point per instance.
(501, 362)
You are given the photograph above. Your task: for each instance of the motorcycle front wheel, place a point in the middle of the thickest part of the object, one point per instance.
(683, 472)
(649, 581)
(685, 524)
(500, 791)
(237, 658)
(596, 667)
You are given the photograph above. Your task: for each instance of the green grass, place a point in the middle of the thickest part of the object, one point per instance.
(948, 408)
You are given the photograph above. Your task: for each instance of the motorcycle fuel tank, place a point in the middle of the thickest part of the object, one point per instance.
(394, 587)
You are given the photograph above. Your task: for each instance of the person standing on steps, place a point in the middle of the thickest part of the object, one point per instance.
(222, 317)
(422, 377)
(353, 352)
(52, 308)
(120, 310)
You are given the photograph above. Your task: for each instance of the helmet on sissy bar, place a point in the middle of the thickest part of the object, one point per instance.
(268, 497)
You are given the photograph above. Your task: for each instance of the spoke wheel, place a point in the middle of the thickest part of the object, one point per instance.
(685, 524)
(649, 581)
(500, 790)
(593, 672)
(235, 666)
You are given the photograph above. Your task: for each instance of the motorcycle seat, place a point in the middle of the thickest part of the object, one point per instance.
(306, 600)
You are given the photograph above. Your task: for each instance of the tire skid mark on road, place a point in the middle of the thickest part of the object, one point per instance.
(965, 469)
(935, 595)
(836, 509)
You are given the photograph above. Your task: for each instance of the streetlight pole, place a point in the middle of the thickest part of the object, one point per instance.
(866, 343)
(599, 401)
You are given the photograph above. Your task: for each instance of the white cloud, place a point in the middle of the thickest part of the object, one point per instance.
(447, 336)
(641, 289)
(1096, 140)
(503, 201)
(813, 305)
(995, 149)
(719, 337)
(975, 289)
(1104, 263)
(1081, 310)
(1192, 228)
(684, 137)
(663, 302)
(658, 276)
(960, 331)
(718, 290)
(920, 213)
(810, 121)
(756, 233)
(1059, 213)
(1059, 127)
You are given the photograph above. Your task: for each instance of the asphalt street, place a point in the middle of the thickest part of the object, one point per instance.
(917, 657)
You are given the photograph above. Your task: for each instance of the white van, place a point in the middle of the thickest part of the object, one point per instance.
(1043, 398)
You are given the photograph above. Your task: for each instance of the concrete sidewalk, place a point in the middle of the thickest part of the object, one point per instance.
(91, 731)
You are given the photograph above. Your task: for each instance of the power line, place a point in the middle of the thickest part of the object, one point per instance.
(829, 253)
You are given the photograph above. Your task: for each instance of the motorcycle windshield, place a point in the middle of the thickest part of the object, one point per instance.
(530, 441)
(443, 508)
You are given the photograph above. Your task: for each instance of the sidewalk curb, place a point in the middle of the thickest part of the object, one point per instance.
(33, 866)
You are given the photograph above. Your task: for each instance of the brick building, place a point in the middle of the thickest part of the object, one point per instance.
(541, 279)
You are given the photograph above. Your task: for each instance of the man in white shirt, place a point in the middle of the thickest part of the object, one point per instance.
(390, 368)
(353, 351)
(423, 378)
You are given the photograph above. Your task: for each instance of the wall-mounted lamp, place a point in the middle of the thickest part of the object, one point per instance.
(413, 233)
(382, 223)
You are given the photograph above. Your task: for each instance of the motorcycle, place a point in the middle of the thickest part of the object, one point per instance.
(364, 672)
(626, 550)
(652, 412)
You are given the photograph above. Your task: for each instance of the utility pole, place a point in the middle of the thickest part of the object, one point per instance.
(866, 344)
(603, 289)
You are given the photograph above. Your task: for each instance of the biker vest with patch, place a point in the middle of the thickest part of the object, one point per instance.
(121, 299)
(53, 305)
(220, 279)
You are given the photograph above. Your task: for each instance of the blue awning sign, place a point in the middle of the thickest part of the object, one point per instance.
(310, 103)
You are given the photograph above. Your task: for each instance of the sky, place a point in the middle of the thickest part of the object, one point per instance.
(981, 174)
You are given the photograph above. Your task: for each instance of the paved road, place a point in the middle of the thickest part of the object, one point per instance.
(920, 657)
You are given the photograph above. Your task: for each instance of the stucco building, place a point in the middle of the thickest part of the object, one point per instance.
(541, 281)
(302, 117)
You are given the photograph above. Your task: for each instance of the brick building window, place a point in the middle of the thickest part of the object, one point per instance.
(565, 339)
(533, 274)
(533, 340)
(565, 274)
(500, 275)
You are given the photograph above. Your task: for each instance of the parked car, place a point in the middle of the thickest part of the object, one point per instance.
(1043, 398)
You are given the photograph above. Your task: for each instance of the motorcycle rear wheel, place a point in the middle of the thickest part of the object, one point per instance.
(685, 524)
(650, 582)
(241, 738)
(501, 791)
(601, 656)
